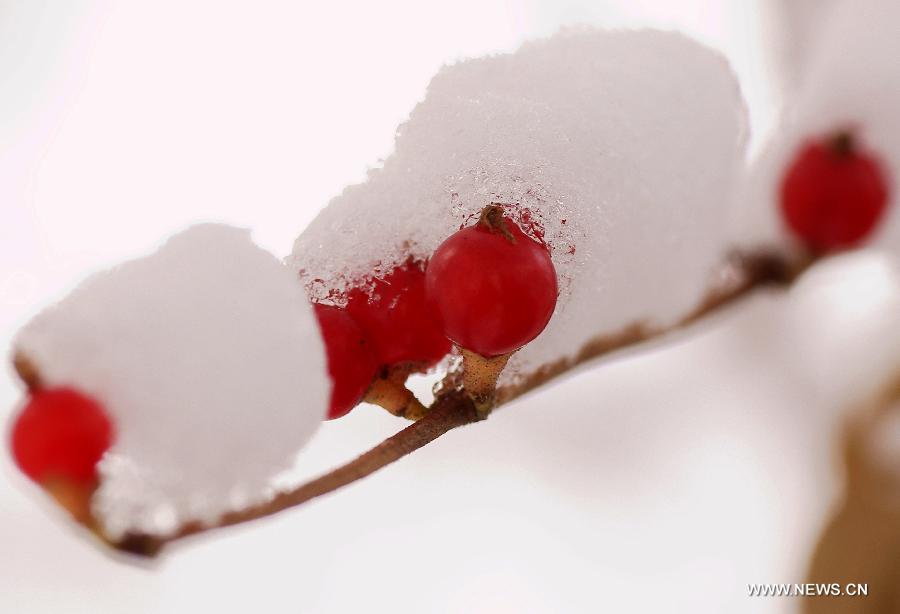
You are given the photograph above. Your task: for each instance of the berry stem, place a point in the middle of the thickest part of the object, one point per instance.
(842, 143)
(27, 372)
(395, 397)
(73, 496)
(492, 219)
(480, 376)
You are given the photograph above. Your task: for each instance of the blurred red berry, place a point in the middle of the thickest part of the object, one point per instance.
(833, 194)
(495, 287)
(350, 362)
(60, 433)
(396, 317)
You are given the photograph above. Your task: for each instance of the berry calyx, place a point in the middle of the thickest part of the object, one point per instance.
(495, 287)
(350, 361)
(833, 193)
(403, 326)
(61, 434)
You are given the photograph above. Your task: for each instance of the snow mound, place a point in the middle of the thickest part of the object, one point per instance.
(208, 358)
(623, 146)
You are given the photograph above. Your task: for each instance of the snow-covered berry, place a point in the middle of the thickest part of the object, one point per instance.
(60, 434)
(629, 194)
(350, 361)
(833, 193)
(494, 286)
(401, 323)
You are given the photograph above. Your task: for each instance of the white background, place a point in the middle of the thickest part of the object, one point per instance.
(660, 482)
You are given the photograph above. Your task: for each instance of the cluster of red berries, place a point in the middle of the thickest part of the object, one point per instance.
(394, 325)
(833, 193)
(488, 288)
(60, 435)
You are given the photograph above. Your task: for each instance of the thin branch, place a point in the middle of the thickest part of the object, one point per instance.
(741, 275)
(447, 413)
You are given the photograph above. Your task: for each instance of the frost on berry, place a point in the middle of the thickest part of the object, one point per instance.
(207, 357)
(850, 85)
(617, 149)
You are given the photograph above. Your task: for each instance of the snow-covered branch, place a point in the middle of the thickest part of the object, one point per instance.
(742, 275)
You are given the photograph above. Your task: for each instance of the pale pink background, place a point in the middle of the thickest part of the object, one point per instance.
(661, 482)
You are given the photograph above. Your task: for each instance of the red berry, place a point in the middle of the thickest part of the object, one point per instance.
(402, 325)
(494, 286)
(833, 194)
(350, 362)
(61, 433)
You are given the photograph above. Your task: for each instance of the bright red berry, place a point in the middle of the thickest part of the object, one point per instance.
(61, 433)
(402, 324)
(350, 361)
(833, 194)
(494, 286)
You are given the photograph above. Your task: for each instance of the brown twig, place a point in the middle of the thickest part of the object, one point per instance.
(743, 273)
(447, 413)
